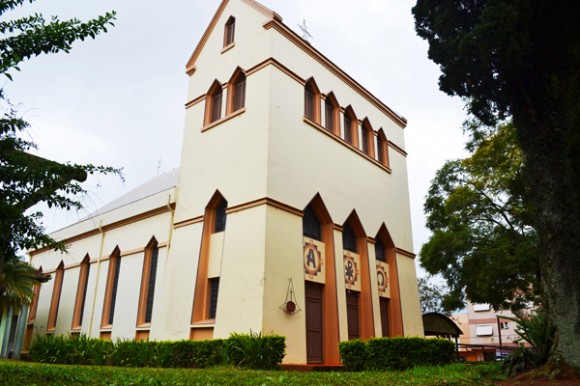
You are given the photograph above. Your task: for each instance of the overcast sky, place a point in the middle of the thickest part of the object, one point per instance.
(119, 100)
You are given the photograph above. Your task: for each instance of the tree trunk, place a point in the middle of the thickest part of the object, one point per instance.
(553, 195)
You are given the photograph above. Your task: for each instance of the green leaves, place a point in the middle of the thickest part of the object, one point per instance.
(483, 241)
(33, 35)
(25, 179)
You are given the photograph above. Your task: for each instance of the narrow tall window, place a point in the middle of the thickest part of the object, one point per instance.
(311, 225)
(236, 92)
(332, 114)
(240, 92)
(382, 148)
(148, 284)
(214, 285)
(220, 216)
(111, 289)
(380, 155)
(81, 293)
(350, 127)
(348, 239)
(368, 143)
(34, 304)
(213, 103)
(312, 101)
(229, 31)
(55, 300)
(208, 270)
(380, 251)
(216, 101)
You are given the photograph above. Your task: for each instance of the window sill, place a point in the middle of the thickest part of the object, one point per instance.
(346, 144)
(204, 324)
(228, 47)
(224, 119)
(143, 327)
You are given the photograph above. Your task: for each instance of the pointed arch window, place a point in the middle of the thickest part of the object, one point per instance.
(382, 148)
(350, 127)
(220, 216)
(312, 101)
(380, 251)
(111, 289)
(81, 293)
(206, 294)
(213, 103)
(148, 277)
(229, 31)
(388, 284)
(55, 300)
(367, 139)
(311, 225)
(237, 92)
(332, 114)
(348, 239)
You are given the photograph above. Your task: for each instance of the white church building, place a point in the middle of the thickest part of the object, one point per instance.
(289, 213)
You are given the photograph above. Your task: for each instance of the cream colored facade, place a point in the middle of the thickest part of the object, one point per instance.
(267, 160)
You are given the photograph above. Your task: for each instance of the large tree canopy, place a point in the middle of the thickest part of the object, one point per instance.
(483, 243)
(521, 59)
(25, 179)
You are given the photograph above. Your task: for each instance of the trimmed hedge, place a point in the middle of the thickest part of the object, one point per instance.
(255, 351)
(395, 353)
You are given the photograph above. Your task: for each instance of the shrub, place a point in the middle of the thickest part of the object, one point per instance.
(521, 359)
(251, 351)
(354, 354)
(64, 350)
(130, 353)
(255, 351)
(396, 353)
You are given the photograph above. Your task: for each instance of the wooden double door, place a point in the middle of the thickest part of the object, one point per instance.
(314, 322)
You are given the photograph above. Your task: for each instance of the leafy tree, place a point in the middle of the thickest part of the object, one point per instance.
(483, 243)
(432, 297)
(25, 179)
(520, 60)
(17, 281)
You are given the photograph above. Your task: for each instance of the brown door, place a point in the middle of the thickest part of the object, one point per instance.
(352, 314)
(384, 303)
(313, 322)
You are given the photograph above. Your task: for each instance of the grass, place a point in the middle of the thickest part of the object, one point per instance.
(26, 373)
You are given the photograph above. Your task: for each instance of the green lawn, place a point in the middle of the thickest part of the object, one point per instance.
(26, 373)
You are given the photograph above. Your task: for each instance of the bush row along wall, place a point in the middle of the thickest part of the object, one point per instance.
(253, 351)
(395, 353)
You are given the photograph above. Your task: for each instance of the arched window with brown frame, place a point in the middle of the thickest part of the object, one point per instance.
(367, 138)
(55, 299)
(111, 288)
(236, 91)
(81, 296)
(382, 148)
(350, 127)
(148, 280)
(312, 100)
(213, 103)
(332, 114)
(321, 306)
(229, 31)
(359, 308)
(388, 284)
(206, 296)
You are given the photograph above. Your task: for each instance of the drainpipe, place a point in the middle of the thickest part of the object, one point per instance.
(97, 279)
(20, 331)
(172, 219)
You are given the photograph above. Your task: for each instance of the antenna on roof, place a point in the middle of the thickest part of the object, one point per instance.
(305, 34)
